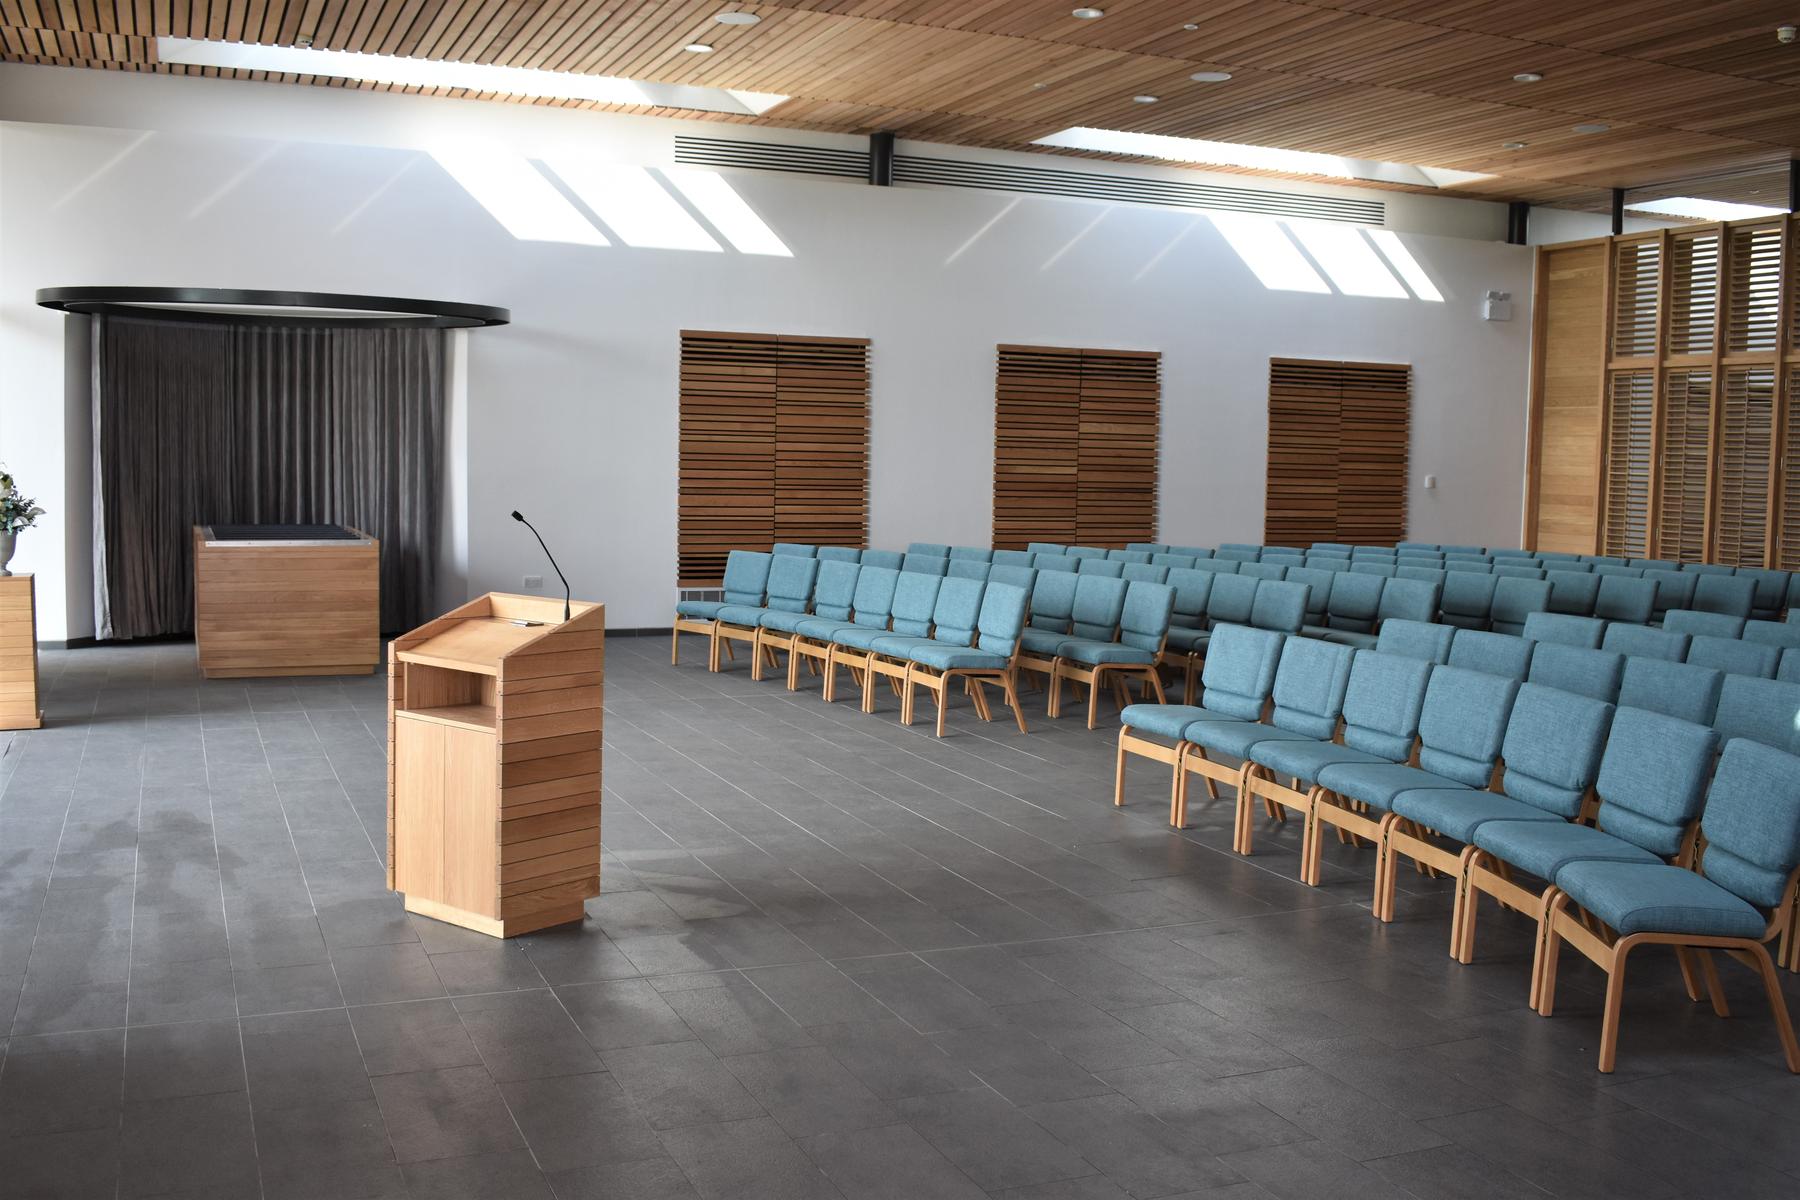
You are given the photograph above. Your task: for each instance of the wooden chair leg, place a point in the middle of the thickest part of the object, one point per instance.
(1187, 684)
(906, 698)
(1094, 697)
(829, 691)
(793, 672)
(1684, 957)
(1156, 686)
(1552, 952)
(730, 654)
(1178, 791)
(1615, 1000)
(757, 651)
(1784, 1025)
(712, 650)
(1709, 972)
(675, 646)
(1054, 708)
(978, 694)
(1011, 685)
(1462, 917)
(942, 695)
(1119, 771)
(868, 688)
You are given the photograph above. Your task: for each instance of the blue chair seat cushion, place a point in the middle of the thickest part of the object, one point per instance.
(1349, 637)
(1167, 720)
(943, 656)
(824, 629)
(1456, 812)
(1237, 737)
(1546, 847)
(782, 621)
(898, 645)
(1377, 784)
(1305, 759)
(704, 609)
(747, 615)
(1656, 898)
(1092, 653)
(1184, 640)
(1041, 642)
(860, 637)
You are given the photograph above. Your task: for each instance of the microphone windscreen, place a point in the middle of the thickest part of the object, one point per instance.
(517, 516)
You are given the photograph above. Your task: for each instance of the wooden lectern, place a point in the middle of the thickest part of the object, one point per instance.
(18, 653)
(494, 763)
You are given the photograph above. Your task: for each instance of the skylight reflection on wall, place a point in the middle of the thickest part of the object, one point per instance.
(1300, 256)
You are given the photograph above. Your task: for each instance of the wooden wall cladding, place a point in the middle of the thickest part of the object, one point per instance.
(1075, 446)
(774, 446)
(1338, 435)
(1696, 379)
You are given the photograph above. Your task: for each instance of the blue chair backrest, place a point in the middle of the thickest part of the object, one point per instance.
(839, 554)
(875, 596)
(1147, 547)
(1644, 641)
(1618, 568)
(1144, 622)
(1233, 600)
(791, 579)
(1653, 778)
(1468, 566)
(1415, 639)
(887, 559)
(1345, 547)
(1222, 566)
(747, 576)
(1573, 592)
(1012, 558)
(796, 549)
(968, 568)
(1595, 674)
(1476, 551)
(1173, 560)
(1793, 596)
(925, 564)
(1375, 554)
(1192, 590)
(1415, 546)
(1707, 568)
(1240, 546)
(1789, 670)
(834, 596)
(1674, 589)
(1045, 547)
(1468, 599)
(1621, 598)
(1567, 562)
(1263, 570)
(1509, 571)
(1682, 690)
(1310, 683)
(974, 553)
(1585, 632)
(1752, 823)
(1195, 552)
(936, 549)
(1514, 600)
(1053, 600)
(1284, 558)
(1772, 633)
(1428, 574)
(1055, 562)
(1499, 654)
(1099, 602)
(1553, 744)
(1328, 560)
(915, 599)
(1408, 600)
(1279, 605)
(1238, 554)
(1499, 552)
(1383, 702)
(1763, 710)
(1464, 723)
(957, 610)
(1013, 576)
(1085, 552)
(1735, 656)
(1703, 624)
(1386, 570)
(1771, 587)
(1730, 594)
(1318, 584)
(1240, 670)
(1129, 556)
(1655, 564)
(1355, 601)
(1600, 560)
(1002, 618)
(1110, 568)
(1144, 573)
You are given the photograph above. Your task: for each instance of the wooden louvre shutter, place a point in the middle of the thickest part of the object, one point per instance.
(1693, 291)
(1631, 403)
(1338, 436)
(1753, 302)
(1686, 431)
(1075, 446)
(1787, 546)
(1637, 280)
(773, 446)
(1746, 444)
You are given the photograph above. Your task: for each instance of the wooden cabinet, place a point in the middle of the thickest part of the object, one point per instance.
(446, 797)
(286, 606)
(18, 653)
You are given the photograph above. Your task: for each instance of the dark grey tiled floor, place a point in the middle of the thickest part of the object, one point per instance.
(835, 958)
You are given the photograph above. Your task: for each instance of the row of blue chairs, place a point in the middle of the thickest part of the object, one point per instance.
(1484, 778)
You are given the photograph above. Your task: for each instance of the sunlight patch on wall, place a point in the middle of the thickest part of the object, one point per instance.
(637, 208)
(727, 212)
(517, 196)
(1270, 255)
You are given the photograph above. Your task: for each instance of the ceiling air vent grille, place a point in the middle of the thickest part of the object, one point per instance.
(1045, 181)
(771, 156)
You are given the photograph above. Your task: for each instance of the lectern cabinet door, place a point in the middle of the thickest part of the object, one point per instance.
(444, 815)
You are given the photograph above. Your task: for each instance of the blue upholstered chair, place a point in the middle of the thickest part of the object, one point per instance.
(1238, 553)
(798, 549)
(1052, 605)
(1761, 710)
(1769, 596)
(1284, 558)
(1425, 640)
(968, 568)
(1427, 574)
(1354, 604)
(1142, 624)
(1147, 547)
(1365, 566)
(746, 582)
(1012, 558)
(1468, 566)
(1194, 552)
(852, 645)
(1173, 560)
(1013, 576)
(955, 614)
(1111, 568)
(1318, 596)
(1237, 681)
(1595, 674)
(1746, 870)
(791, 580)
(1567, 562)
(849, 554)
(1603, 560)
(1337, 547)
(1328, 560)
(1188, 621)
(1674, 590)
(1401, 600)
(1708, 569)
(1514, 569)
(1785, 634)
(1416, 546)
(1622, 598)
(1382, 702)
(834, 600)
(872, 606)
(1566, 630)
(1509, 552)
(1734, 656)
(1498, 654)
(1655, 564)
(1279, 606)
(1733, 595)
(1222, 566)
(1789, 672)
(1650, 786)
(1675, 689)
(1573, 592)
(1045, 547)
(1084, 552)
(1231, 602)
(1055, 562)
(1550, 757)
(1129, 556)
(891, 560)
(1460, 732)
(1516, 599)
(925, 564)
(1263, 570)
(1242, 548)
(915, 609)
(1144, 573)
(1695, 623)
(1468, 599)
(973, 553)
(930, 549)
(1645, 641)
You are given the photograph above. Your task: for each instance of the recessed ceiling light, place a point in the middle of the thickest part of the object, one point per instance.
(736, 18)
(1038, 87)
(1190, 27)
(698, 48)
(1528, 77)
(1591, 127)
(1145, 99)
(1210, 76)
(1088, 14)
(1512, 145)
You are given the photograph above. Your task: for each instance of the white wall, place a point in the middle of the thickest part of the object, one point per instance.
(571, 410)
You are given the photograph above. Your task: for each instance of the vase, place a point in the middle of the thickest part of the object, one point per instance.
(8, 542)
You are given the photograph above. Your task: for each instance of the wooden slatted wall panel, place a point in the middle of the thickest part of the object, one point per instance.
(1693, 291)
(1625, 520)
(1115, 501)
(1681, 483)
(774, 446)
(1787, 545)
(1568, 377)
(1753, 304)
(1637, 282)
(1075, 446)
(1300, 506)
(1037, 434)
(1338, 436)
(822, 442)
(1746, 445)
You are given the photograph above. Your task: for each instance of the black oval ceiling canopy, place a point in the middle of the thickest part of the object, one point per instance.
(238, 306)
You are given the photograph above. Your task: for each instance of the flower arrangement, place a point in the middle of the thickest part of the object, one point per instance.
(16, 511)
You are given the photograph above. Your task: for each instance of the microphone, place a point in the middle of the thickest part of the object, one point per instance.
(517, 516)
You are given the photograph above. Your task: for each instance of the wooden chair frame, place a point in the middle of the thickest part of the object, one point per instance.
(858, 662)
(1349, 817)
(1606, 949)
(1420, 844)
(882, 666)
(817, 656)
(1193, 761)
(704, 626)
(1096, 675)
(1026, 660)
(1131, 743)
(974, 678)
(723, 635)
(769, 642)
(1260, 784)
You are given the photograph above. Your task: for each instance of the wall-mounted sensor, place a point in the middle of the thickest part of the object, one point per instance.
(1430, 483)
(1497, 306)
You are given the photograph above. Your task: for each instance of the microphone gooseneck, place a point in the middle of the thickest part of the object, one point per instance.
(520, 518)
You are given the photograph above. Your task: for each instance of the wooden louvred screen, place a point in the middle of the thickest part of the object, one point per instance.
(1693, 291)
(1637, 282)
(1338, 435)
(1746, 443)
(1681, 488)
(1625, 523)
(1753, 301)
(1075, 446)
(1787, 544)
(773, 446)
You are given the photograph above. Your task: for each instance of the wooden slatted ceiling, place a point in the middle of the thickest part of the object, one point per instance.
(1338, 436)
(774, 446)
(1687, 89)
(1075, 445)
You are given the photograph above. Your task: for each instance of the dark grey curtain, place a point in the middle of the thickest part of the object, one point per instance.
(203, 423)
